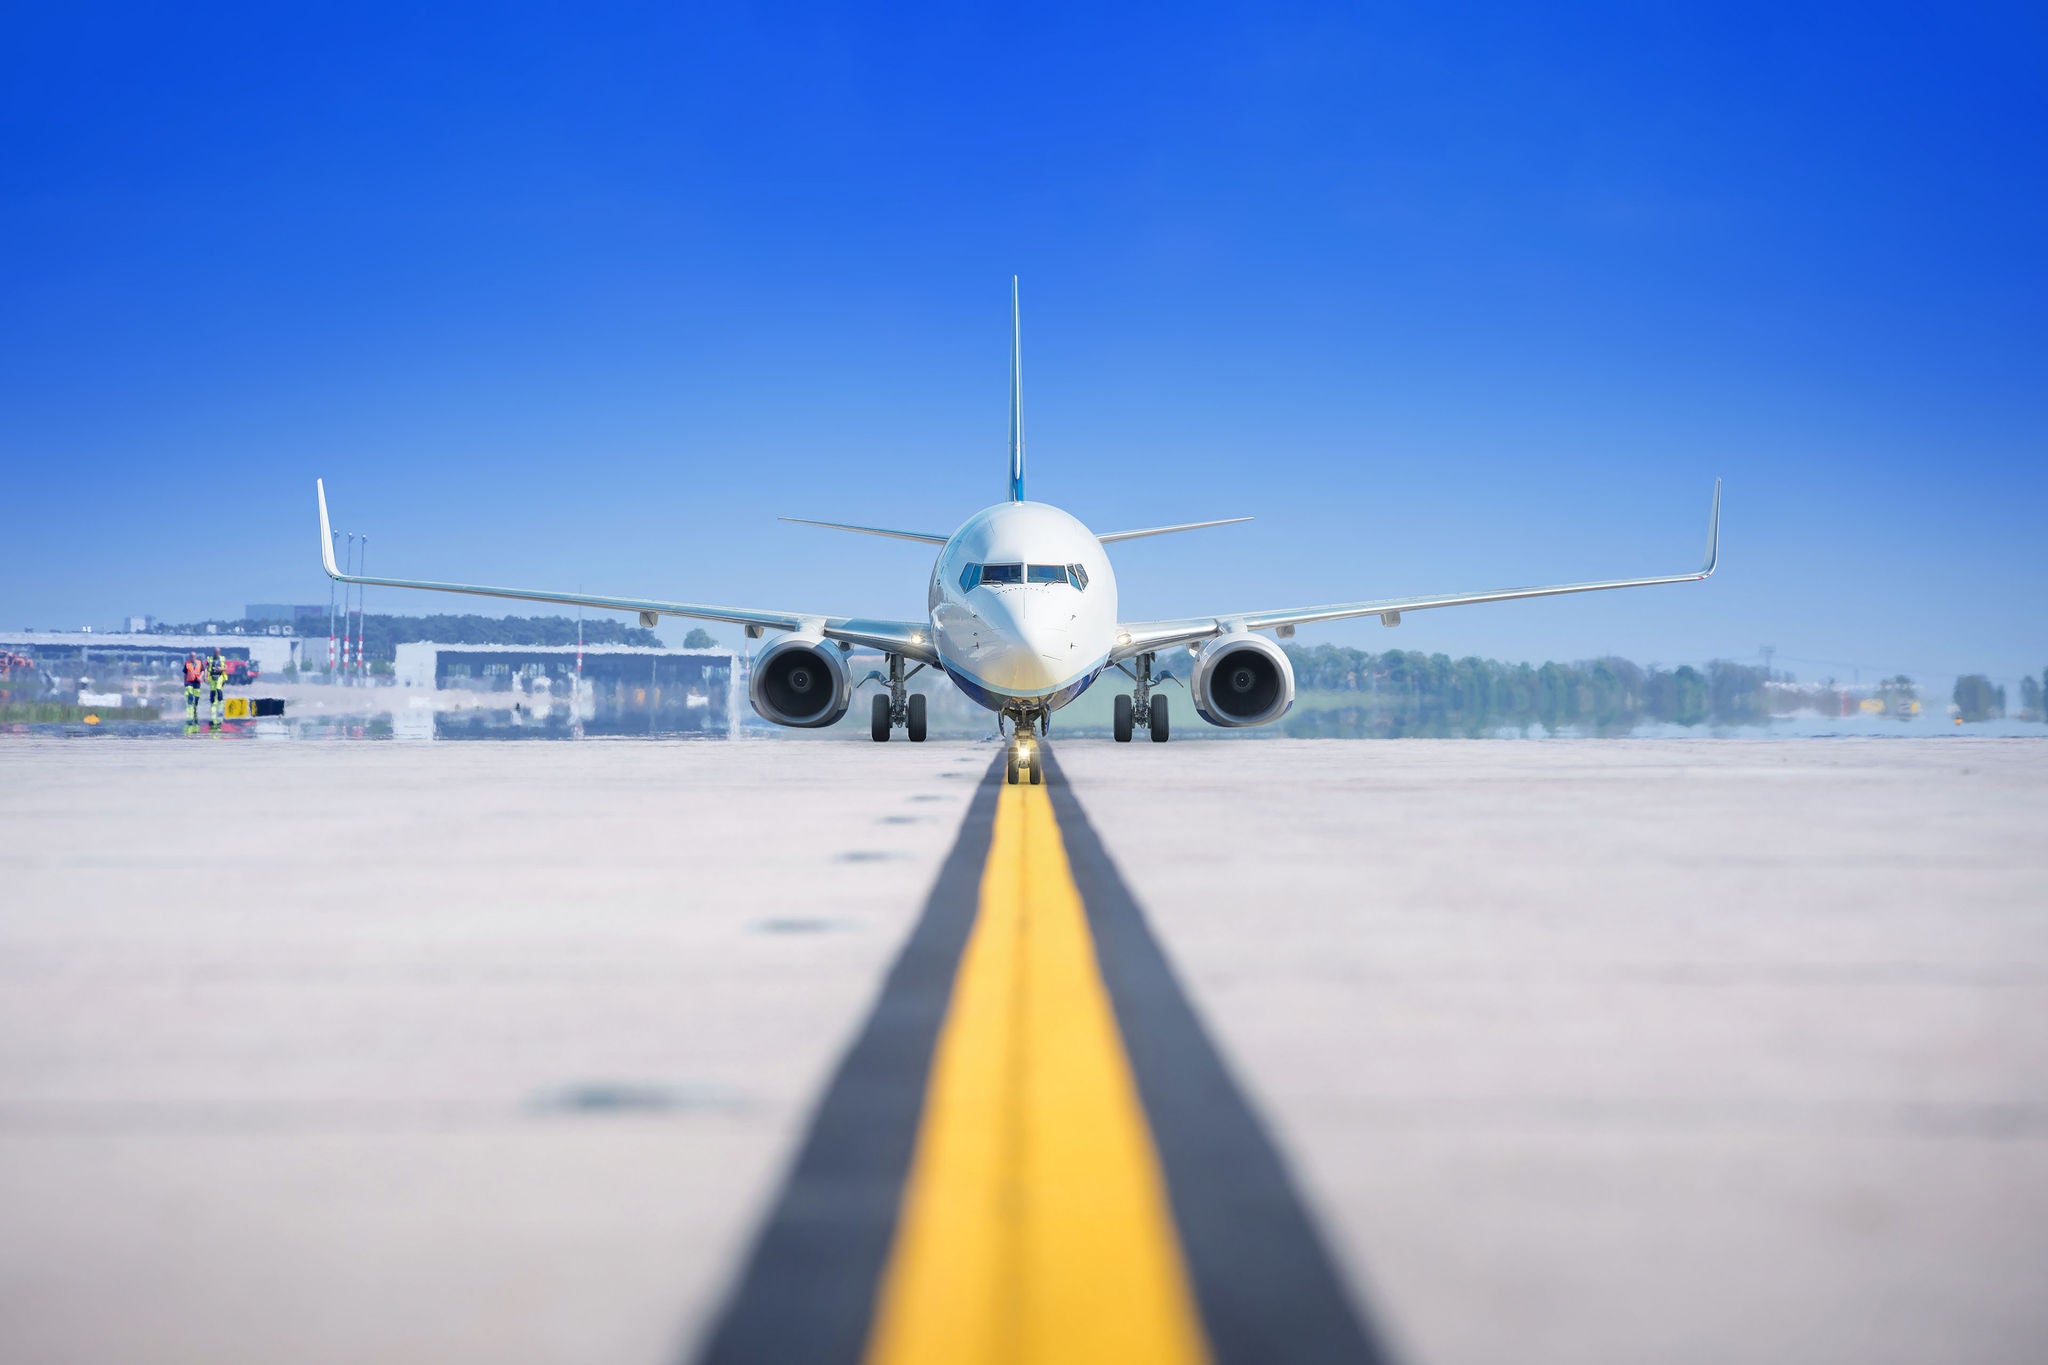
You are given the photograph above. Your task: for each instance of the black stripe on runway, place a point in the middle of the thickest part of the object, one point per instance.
(808, 1291)
(1263, 1278)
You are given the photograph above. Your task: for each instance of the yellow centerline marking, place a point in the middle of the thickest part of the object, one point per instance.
(1034, 1225)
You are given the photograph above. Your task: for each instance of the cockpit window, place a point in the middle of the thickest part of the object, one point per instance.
(975, 575)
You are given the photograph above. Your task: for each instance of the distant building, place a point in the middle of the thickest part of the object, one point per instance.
(303, 620)
(152, 652)
(130, 669)
(539, 689)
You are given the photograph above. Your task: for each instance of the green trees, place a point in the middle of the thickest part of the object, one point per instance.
(1735, 694)
(2030, 698)
(699, 638)
(1679, 696)
(1358, 693)
(1976, 699)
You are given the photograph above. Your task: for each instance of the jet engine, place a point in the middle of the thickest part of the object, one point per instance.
(801, 681)
(1242, 679)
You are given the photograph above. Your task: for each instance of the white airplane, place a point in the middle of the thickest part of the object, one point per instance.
(1021, 614)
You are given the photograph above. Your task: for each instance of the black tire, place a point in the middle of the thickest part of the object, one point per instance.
(878, 722)
(1037, 770)
(1120, 724)
(1010, 767)
(1159, 730)
(916, 725)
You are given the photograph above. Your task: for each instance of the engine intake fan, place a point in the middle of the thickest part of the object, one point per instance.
(800, 681)
(1242, 679)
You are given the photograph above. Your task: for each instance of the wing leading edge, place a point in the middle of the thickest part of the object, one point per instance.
(925, 537)
(1111, 537)
(1140, 637)
(908, 638)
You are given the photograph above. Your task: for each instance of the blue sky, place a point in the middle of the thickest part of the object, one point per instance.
(588, 295)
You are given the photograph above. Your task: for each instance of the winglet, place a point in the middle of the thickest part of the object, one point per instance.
(1016, 400)
(1713, 534)
(326, 532)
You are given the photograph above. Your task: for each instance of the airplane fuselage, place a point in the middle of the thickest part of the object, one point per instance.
(1023, 607)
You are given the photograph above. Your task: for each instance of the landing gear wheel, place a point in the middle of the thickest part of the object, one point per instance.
(1120, 723)
(878, 723)
(1159, 720)
(1037, 770)
(916, 722)
(1010, 766)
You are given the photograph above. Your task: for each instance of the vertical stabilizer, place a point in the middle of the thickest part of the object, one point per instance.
(1016, 401)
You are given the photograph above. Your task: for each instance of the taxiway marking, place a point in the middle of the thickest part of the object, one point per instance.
(1033, 1150)
(1035, 1226)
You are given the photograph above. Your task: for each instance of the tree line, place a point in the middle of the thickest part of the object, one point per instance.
(1978, 698)
(1358, 693)
(1405, 692)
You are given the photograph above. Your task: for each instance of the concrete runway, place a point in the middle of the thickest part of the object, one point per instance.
(1580, 1051)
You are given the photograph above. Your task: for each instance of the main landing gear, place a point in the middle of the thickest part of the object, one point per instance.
(1140, 708)
(1024, 760)
(899, 707)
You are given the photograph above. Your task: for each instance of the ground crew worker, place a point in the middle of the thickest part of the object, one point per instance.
(216, 678)
(195, 672)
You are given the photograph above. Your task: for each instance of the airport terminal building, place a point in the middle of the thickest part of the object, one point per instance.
(597, 689)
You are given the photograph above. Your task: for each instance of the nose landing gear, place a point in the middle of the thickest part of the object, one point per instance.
(1024, 761)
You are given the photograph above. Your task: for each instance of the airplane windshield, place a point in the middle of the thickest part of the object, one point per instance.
(975, 575)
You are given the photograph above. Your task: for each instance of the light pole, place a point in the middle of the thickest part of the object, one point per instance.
(362, 666)
(331, 538)
(348, 566)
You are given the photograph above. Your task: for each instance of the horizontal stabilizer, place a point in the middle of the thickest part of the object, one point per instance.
(927, 537)
(1110, 536)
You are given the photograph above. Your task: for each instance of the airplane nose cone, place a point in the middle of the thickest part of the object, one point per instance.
(1027, 642)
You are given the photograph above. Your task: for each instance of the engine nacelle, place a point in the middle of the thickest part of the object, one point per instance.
(1242, 679)
(801, 681)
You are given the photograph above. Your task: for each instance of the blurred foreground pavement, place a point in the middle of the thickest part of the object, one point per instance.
(1583, 1051)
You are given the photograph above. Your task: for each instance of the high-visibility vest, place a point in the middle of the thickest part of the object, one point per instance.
(194, 671)
(216, 670)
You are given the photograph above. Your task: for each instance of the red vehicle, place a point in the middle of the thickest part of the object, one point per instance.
(242, 672)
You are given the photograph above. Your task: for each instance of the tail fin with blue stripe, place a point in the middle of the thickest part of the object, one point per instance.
(1016, 401)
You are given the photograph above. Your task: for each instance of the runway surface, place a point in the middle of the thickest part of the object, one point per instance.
(1435, 1051)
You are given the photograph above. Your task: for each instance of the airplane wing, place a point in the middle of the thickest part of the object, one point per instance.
(1109, 537)
(908, 638)
(927, 537)
(1140, 637)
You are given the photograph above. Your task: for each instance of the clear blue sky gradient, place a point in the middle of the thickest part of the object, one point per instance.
(585, 296)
